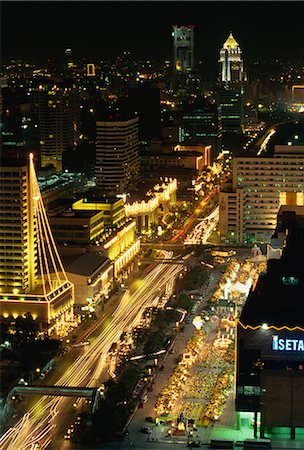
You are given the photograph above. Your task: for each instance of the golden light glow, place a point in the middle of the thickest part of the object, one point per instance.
(230, 43)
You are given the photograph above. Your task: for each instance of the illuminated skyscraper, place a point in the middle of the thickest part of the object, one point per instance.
(18, 264)
(57, 108)
(32, 277)
(117, 157)
(231, 60)
(183, 42)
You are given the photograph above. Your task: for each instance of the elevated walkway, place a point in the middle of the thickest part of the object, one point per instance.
(95, 394)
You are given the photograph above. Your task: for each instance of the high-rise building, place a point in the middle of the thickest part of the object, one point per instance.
(58, 112)
(249, 207)
(18, 263)
(117, 158)
(270, 339)
(200, 125)
(183, 43)
(231, 61)
(230, 111)
(32, 277)
(144, 101)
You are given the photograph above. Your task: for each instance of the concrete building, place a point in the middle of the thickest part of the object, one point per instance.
(121, 247)
(204, 150)
(79, 228)
(112, 208)
(32, 277)
(199, 125)
(18, 264)
(54, 186)
(58, 112)
(270, 341)
(187, 159)
(230, 111)
(117, 158)
(147, 211)
(231, 62)
(260, 185)
(183, 44)
(92, 276)
(144, 101)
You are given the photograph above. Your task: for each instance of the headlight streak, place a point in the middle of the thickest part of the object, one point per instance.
(34, 429)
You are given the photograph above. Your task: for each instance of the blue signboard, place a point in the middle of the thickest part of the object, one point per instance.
(287, 344)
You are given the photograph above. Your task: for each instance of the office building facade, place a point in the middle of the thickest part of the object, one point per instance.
(260, 185)
(183, 44)
(32, 276)
(230, 111)
(117, 159)
(58, 111)
(200, 125)
(231, 62)
(18, 264)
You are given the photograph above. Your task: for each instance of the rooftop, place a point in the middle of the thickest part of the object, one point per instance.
(88, 264)
(230, 43)
(278, 297)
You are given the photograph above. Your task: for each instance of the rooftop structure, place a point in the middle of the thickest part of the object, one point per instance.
(231, 60)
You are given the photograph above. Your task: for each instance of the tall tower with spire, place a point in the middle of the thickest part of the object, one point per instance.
(32, 276)
(231, 61)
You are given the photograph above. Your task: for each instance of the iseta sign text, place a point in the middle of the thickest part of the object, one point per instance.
(287, 345)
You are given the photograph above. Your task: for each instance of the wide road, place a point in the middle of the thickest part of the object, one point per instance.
(44, 424)
(202, 231)
(192, 219)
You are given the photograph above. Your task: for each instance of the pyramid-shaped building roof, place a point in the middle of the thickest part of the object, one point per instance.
(231, 43)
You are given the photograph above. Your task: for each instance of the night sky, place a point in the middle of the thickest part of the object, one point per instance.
(98, 30)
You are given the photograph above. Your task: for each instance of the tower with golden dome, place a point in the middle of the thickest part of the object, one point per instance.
(231, 61)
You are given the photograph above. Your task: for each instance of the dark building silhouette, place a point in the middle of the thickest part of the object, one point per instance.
(270, 336)
(200, 124)
(144, 101)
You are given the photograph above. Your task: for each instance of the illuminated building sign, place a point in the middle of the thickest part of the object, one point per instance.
(287, 345)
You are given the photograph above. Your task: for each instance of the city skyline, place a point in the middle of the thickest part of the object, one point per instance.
(38, 31)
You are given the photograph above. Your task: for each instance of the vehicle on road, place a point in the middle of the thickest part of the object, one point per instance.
(82, 344)
(193, 444)
(150, 419)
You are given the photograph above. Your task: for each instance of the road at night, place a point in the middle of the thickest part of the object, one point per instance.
(202, 231)
(191, 220)
(44, 425)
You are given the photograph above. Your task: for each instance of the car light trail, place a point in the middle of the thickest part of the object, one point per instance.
(37, 427)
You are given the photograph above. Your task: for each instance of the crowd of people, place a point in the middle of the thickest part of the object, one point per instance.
(180, 377)
(200, 384)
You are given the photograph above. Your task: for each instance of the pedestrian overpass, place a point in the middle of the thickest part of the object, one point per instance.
(95, 394)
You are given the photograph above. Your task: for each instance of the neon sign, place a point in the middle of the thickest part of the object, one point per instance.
(287, 345)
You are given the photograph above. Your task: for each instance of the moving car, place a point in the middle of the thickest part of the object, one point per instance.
(150, 419)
